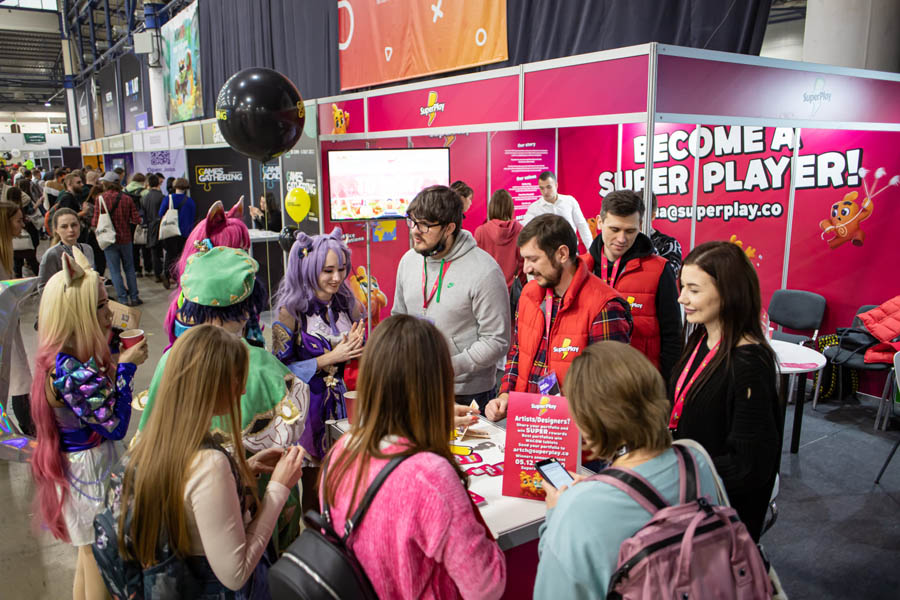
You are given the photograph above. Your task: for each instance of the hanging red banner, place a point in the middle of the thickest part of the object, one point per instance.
(392, 40)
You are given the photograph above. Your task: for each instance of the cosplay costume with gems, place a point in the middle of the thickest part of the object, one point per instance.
(91, 424)
(320, 330)
(320, 327)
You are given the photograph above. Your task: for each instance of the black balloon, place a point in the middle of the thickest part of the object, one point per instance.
(260, 113)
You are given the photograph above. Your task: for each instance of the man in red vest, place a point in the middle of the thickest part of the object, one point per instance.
(624, 257)
(562, 310)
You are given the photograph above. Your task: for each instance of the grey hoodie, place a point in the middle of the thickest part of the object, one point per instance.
(473, 312)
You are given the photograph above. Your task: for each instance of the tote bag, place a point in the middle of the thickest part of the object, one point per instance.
(168, 227)
(106, 233)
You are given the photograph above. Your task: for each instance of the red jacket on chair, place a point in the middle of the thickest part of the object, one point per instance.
(883, 322)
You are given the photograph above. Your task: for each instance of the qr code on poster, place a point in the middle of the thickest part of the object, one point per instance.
(159, 158)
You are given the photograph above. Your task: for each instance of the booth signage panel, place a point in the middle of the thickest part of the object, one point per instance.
(848, 258)
(743, 195)
(709, 87)
(35, 138)
(517, 158)
(157, 139)
(600, 88)
(390, 41)
(217, 174)
(299, 168)
(587, 166)
(471, 103)
(116, 144)
(176, 136)
(171, 163)
(124, 160)
(344, 116)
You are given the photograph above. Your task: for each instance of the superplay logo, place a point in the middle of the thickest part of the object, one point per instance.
(431, 108)
(543, 406)
(566, 348)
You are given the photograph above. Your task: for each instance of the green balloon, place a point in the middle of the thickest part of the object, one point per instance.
(29, 164)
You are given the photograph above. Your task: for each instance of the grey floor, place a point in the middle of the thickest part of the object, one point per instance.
(837, 535)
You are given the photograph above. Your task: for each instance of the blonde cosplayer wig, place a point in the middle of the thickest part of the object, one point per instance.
(67, 319)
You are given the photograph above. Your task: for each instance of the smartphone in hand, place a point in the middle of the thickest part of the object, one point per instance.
(552, 471)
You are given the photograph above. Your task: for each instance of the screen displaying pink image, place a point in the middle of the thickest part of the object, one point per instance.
(380, 184)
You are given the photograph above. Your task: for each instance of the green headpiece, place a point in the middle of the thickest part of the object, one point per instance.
(219, 276)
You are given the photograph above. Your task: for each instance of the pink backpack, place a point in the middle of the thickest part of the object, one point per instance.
(690, 550)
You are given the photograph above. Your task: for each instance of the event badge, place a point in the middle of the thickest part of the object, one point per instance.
(549, 385)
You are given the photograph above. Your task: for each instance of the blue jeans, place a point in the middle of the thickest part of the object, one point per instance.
(481, 399)
(120, 256)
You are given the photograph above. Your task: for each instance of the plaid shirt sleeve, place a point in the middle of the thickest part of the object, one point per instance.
(511, 373)
(612, 323)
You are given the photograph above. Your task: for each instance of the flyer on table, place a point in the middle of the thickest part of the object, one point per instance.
(537, 427)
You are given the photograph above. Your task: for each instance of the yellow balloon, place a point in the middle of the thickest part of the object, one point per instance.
(297, 204)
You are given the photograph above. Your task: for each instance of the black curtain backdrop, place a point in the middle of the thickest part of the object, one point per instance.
(299, 38)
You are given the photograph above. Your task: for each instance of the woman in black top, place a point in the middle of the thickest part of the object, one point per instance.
(268, 215)
(724, 384)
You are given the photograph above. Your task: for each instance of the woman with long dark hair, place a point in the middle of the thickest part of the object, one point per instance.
(724, 383)
(422, 537)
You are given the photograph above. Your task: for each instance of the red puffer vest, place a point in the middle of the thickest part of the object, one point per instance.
(638, 283)
(586, 297)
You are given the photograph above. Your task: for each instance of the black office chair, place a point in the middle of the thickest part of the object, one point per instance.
(841, 357)
(897, 443)
(798, 310)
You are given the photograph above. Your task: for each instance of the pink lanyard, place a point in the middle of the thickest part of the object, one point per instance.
(548, 314)
(603, 267)
(680, 394)
(436, 288)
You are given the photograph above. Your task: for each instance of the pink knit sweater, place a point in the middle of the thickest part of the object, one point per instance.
(420, 537)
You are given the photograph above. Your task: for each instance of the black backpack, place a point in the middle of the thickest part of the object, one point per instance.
(320, 563)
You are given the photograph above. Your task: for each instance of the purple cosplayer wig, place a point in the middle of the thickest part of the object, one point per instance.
(305, 262)
(223, 229)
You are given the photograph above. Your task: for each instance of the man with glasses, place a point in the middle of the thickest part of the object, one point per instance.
(447, 279)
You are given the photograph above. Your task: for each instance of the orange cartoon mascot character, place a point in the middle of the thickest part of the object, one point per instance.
(847, 215)
(844, 222)
(341, 119)
(359, 282)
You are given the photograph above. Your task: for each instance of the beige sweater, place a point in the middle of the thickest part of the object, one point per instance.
(231, 542)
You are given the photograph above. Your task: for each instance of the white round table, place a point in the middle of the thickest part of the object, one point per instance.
(796, 361)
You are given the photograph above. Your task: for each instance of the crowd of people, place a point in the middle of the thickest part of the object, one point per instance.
(232, 443)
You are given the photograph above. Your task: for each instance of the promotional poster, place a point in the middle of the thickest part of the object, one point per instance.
(171, 163)
(517, 159)
(135, 98)
(301, 187)
(181, 65)
(107, 80)
(381, 42)
(537, 427)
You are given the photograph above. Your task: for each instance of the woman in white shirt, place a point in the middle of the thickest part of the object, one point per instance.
(180, 481)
